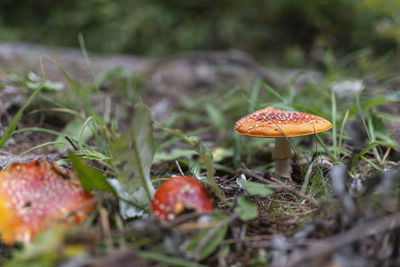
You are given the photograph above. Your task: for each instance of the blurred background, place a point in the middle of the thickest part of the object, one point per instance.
(200, 65)
(285, 32)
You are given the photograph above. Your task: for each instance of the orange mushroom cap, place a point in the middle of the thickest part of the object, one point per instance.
(35, 195)
(177, 194)
(271, 122)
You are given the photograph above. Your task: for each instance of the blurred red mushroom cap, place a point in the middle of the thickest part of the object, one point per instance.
(35, 195)
(177, 194)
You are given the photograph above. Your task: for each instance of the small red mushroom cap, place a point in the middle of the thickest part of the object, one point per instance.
(177, 194)
(35, 195)
(272, 122)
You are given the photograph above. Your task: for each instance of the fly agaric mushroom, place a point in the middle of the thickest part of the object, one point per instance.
(177, 194)
(281, 125)
(35, 195)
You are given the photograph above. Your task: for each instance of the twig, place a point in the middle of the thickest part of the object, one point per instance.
(386, 154)
(179, 168)
(325, 246)
(71, 142)
(248, 239)
(191, 226)
(183, 218)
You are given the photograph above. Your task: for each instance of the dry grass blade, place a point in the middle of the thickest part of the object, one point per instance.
(105, 228)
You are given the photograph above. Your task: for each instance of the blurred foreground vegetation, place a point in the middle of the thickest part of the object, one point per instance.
(291, 30)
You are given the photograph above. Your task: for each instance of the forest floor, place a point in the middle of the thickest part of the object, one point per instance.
(341, 207)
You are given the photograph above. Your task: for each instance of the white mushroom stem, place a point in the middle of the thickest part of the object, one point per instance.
(281, 157)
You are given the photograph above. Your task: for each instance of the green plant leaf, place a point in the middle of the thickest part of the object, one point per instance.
(89, 177)
(34, 81)
(134, 150)
(247, 209)
(130, 205)
(195, 168)
(221, 153)
(256, 189)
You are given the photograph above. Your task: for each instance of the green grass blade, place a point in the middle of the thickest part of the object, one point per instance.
(334, 130)
(362, 153)
(31, 149)
(237, 148)
(13, 125)
(370, 103)
(371, 129)
(307, 109)
(59, 109)
(87, 59)
(255, 90)
(361, 113)
(273, 92)
(82, 131)
(346, 116)
(331, 155)
(38, 129)
(372, 164)
(307, 177)
(79, 92)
